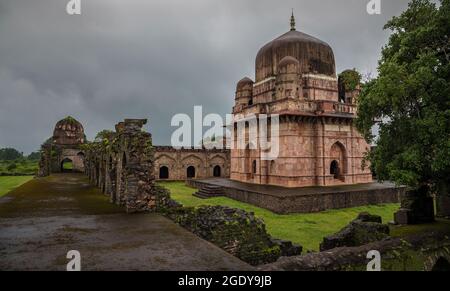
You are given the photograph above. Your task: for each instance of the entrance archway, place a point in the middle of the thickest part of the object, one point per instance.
(190, 172)
(334, 169)
(66, 165)
(164, 172)
(217, 171)
(338, 164)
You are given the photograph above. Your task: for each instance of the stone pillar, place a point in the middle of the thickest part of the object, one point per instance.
(319, 130)
(45, 161)
(140, 194)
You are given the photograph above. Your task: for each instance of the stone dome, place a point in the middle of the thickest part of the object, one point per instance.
(314, 56)
(68, 131)
(243, 82)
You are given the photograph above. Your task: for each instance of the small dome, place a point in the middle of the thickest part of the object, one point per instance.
(68, 131)
(243, 82)
(288, 61)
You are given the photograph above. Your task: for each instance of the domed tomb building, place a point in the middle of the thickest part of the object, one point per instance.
(63, 151)
(319, 144)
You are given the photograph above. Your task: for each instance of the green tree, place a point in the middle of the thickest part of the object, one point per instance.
(11, 167)
(410, 99)
(104, 134)
(34, 156)
(9, 154)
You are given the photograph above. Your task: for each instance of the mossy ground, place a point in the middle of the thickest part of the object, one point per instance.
(57, 193)
(306, 229)
(44, 218)
(8, 183)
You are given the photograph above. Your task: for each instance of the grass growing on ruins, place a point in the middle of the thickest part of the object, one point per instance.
(306, 229)
(8, 183)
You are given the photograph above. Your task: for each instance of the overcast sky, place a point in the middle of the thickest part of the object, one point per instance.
(154, 58)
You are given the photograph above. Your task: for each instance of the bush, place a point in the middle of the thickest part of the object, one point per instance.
(11, 167)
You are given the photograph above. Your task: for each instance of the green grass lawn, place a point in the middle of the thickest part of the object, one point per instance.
(306, 229)
(68, 166)
(19, 167)
(8, 183)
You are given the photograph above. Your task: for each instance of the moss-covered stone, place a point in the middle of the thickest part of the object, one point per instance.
(236, 231)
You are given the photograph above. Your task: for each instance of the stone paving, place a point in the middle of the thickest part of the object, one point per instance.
(296, 191)
(45, 218)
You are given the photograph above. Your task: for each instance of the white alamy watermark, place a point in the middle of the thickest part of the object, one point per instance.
(374, 7)
(375, 260)
(75, 260)
(73, 7)
(248, 132)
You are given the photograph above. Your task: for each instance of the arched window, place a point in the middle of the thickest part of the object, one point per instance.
(217, 171)
(254, 167)
(190, 172)
(164, 172)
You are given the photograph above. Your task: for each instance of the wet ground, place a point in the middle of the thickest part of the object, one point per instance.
(47, 217)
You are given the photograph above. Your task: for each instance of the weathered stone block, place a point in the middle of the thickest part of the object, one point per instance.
(364, 229)
(236, 231)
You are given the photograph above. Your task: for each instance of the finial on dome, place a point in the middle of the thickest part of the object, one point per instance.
(292, 21)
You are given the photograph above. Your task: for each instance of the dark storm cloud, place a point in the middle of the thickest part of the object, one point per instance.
(152, 59)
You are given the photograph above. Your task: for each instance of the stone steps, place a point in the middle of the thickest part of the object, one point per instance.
(209, 191)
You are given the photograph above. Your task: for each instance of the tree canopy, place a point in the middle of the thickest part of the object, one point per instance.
(410, 98)
(9, 154)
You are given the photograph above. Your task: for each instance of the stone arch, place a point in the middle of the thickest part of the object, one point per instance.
(216, 157)
(165, 160)
(64, 165)
(190, 172)
(334, 169)
(217, 171)
(164, 172)
(249, 157)
(193, 159)
(338, 161)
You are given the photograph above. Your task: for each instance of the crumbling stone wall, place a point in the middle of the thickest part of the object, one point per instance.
(120, 163)
(364, 229)
(347, 250)
(236, 231)
(418, 253)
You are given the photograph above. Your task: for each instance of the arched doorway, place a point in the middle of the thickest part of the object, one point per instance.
(164, 172)
(66, 165)
(334, 169)
(338, 164)
(441, 265)
(190, 172)
(217, 171)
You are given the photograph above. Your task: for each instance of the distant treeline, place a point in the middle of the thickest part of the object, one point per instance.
(15, 163)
